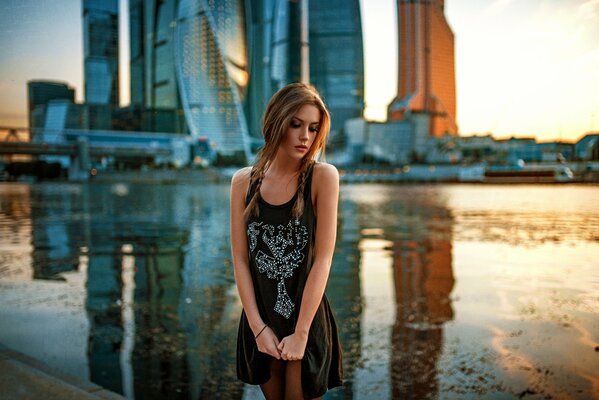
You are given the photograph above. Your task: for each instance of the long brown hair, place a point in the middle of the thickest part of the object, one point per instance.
(280, 110)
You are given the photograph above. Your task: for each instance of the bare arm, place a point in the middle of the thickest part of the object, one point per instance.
(327, 197)
(267, 341)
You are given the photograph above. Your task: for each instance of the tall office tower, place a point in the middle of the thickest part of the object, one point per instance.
(101, 52)
(290, 43)
(337, 58)
(260, 85)
(231, 56)
(426, 73)
(154, 89)
(39, 93)
(212, 63)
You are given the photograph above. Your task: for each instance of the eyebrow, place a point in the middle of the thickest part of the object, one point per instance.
(311, 123)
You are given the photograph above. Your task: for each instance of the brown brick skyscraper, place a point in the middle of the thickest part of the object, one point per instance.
(426, 71)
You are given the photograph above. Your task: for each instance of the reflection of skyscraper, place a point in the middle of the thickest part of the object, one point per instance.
(100, 51)
(159, 362)
(417, 228)
(426, 73)
(209, 309)
(336, 58)
(57, 235)
(423, 280)
(344, 293)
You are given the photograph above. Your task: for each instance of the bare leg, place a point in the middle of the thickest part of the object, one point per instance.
(274, 389)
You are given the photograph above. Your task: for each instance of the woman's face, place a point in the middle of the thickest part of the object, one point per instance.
(301, 132)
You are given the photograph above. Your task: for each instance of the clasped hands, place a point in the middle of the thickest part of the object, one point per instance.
(290, 348)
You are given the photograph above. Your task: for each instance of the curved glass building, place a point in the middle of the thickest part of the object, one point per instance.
(231, 56)
(218, 62)
(212, 70)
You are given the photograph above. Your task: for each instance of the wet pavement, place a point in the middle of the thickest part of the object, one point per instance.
(24, 378)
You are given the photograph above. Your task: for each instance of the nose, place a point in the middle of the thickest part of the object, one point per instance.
(304, 136)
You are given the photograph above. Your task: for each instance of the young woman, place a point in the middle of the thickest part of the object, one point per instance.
(283, 229)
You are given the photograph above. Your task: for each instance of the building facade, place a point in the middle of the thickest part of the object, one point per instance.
(209, 67)
(155, 98)
(426, 70)
(101, 52)
(213, 73)
(39, 94)
(231, 56)
(337, 58)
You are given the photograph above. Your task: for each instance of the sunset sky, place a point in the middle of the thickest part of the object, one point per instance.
(523, 68)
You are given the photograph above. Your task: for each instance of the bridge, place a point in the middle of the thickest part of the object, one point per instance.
(72, 150)
(80, 146)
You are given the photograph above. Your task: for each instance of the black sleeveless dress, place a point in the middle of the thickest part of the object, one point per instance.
(280, 257)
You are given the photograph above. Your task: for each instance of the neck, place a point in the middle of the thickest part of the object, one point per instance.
(283, 166)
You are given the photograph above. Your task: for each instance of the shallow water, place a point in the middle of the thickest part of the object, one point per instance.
(440, 291)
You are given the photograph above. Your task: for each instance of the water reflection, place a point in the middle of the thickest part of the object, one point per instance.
(423, 281)
(15, 230)
(438, 291)
(406, 241)
(161, 302)
(344, 293)
(136, 342)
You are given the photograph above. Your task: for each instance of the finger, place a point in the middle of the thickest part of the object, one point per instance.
(270, 350)
(281, 345)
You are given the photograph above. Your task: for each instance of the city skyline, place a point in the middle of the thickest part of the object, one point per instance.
(549, 91)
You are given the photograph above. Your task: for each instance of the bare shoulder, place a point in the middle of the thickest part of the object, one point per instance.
(325, 174)
(241, 176)
(240, 182)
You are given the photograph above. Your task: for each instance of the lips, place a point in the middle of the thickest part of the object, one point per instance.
(302, 148)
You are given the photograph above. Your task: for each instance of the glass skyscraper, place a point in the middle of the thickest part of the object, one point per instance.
(426, 66)
(101, 51)
(275, 55)
(212, 62)
(39, 94)
(208, 67)
(154, 89)
(232, 55)
(216, 63)
(337, 58)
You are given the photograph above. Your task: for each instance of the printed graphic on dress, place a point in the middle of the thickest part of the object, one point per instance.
(285, 244)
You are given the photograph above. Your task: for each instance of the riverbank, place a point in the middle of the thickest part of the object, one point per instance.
(24, 377)
(571, 172)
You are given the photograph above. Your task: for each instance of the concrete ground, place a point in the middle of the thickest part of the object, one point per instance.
(24, 378)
